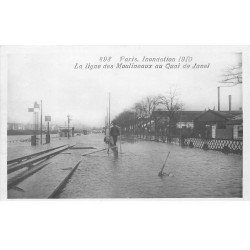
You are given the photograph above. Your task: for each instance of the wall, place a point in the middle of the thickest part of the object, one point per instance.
(226, 133)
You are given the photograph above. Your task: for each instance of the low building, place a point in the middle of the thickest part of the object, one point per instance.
(15, 126)
(219, 124)
(65, 131)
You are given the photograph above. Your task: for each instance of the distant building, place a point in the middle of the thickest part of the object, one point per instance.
(65, 131)
(15, 126)
(204, 124)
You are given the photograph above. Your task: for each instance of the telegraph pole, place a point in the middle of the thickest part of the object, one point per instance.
(109, 109)
(41, 130)
(68, 125)
(219, 98)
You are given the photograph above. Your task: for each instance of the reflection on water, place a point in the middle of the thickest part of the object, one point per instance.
(134, 173)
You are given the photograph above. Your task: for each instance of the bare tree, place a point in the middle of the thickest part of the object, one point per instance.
(125, 119)
(170, 103)
(144, 110)
(150, 104)
(139, 109)
(232, 75)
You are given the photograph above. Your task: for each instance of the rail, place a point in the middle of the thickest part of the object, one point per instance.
(36, 159)
(19, 159)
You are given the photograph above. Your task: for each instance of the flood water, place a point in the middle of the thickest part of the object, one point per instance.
(20, 145)
(133, 173)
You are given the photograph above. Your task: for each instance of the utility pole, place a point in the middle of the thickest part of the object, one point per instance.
(109, 109)
(41, 130)
(109, 122)
(68, 125)
(219, 98)
(230, 102)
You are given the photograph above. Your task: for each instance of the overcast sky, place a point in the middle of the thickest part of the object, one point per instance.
(48, 74)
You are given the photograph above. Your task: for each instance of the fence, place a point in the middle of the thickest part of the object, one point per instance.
(223, 145)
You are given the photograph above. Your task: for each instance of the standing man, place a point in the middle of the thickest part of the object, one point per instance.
(114, 132)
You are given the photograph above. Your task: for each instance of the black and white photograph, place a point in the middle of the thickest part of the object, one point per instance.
(124, 125)
(124, 122)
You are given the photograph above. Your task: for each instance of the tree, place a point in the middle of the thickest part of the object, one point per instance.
(125, 118)
(144, 110)
(232, 75)
(170, 103)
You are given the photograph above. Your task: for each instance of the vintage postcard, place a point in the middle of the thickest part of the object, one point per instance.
(122, 122)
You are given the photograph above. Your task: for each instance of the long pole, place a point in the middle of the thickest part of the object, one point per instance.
(180, 142)
(109, 109)
(68, 126)
(41, 130)
(107, 118)
(161, 172)
(120, 140)
(109, 122)
(218, 98)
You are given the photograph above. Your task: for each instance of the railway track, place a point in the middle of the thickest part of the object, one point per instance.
(27, 157)
(34, 163)
(29, 160)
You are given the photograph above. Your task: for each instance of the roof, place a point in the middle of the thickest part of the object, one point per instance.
(214, 116)
(210, 115)
(236, 120)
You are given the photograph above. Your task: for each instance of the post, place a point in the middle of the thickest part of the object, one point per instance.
(180, 140)
(48, 135)
(218, 98)
(68, 126)
(109, 122)
(109, 109)
(41, 130)
(230, 102)
(120, 140)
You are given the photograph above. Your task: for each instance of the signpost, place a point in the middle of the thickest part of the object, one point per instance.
(35, 111)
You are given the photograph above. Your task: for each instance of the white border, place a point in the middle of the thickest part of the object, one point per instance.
(134, 224)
